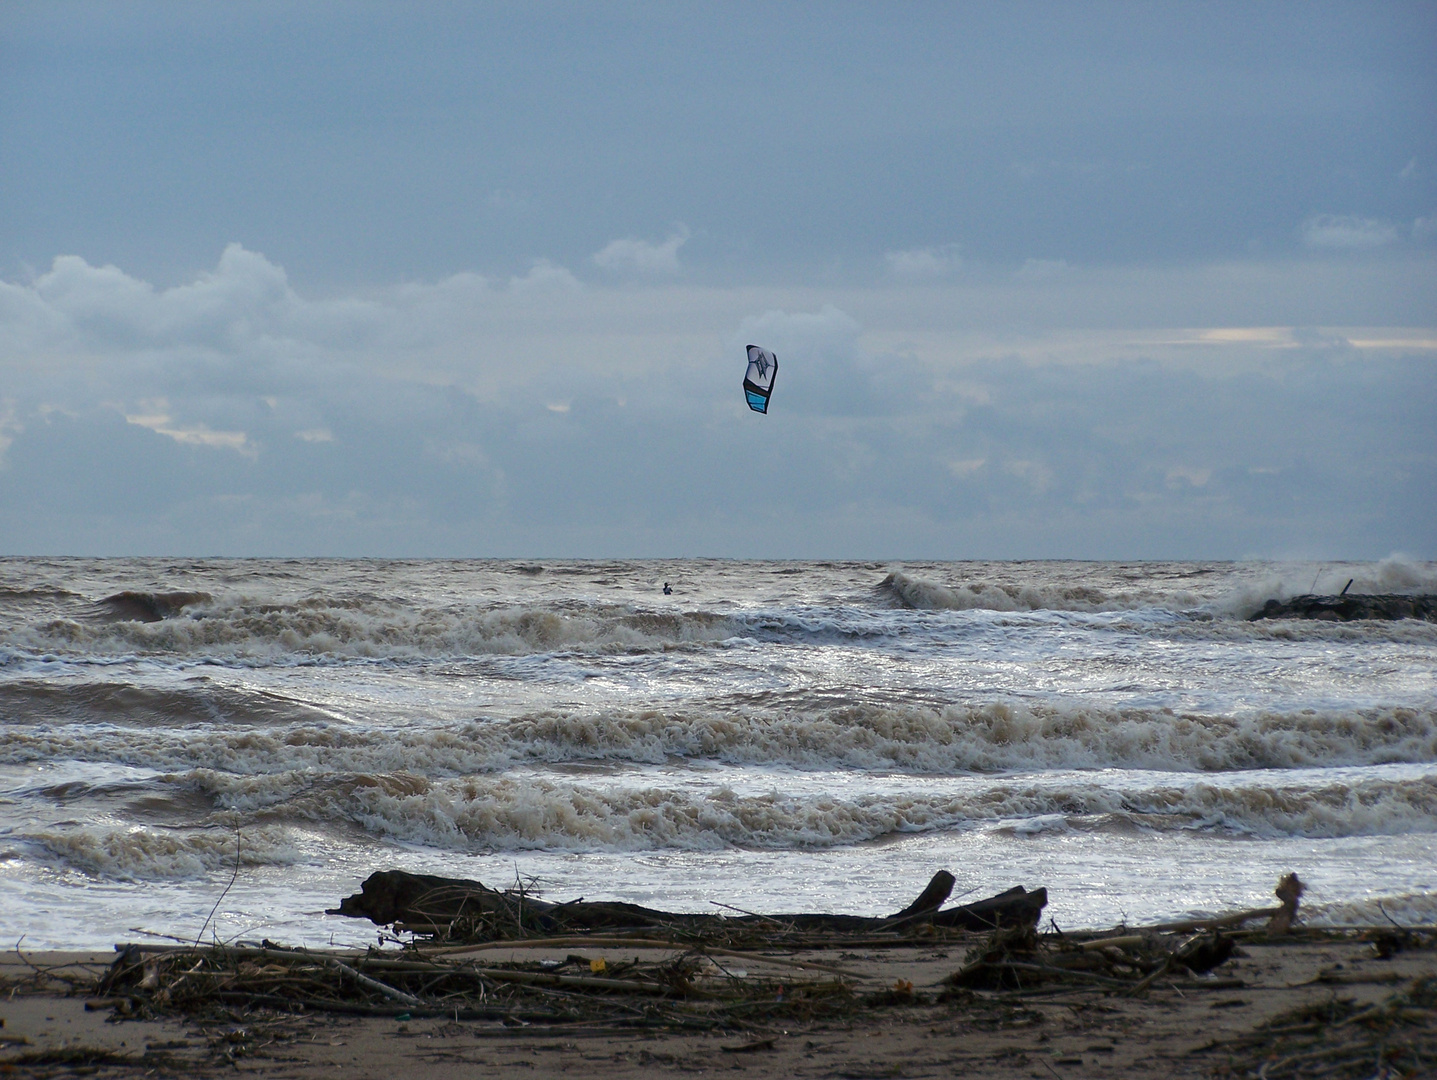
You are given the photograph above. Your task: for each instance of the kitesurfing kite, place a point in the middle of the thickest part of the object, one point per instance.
(758, 379)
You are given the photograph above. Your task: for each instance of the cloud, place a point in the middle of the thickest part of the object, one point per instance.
(9, 428)
(1424, 229)
(1187, 474)
(244, 288)
(1346, 232)
(826, 334)
(544, 276)
(633, 256)
(1040, 269)
(920, 263)
(196, 434)
(538, 416)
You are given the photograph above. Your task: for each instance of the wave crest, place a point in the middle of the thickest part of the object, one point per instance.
(951, 741)
(532, 813)
(164, 623)
(145, 854)
(923, 595)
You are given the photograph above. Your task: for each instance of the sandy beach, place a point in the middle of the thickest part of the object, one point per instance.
(1294, 1004)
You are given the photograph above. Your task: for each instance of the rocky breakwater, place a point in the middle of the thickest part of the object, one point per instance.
(1347, 607)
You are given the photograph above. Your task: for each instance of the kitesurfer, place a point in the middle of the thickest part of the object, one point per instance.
(668, 591)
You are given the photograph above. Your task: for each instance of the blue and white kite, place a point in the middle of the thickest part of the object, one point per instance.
(758, 379)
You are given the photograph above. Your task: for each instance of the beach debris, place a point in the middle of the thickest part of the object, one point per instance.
(1125, 961)
(464, 911)
(1347, 607)
(1203, 952)
(1289, 891)
(1342, 1040)
(1020, 959)
(1280, 919)
(684, 989)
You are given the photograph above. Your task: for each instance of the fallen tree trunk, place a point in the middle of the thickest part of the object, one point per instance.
(463, 910)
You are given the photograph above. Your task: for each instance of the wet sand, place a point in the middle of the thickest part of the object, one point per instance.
(1188, 1027)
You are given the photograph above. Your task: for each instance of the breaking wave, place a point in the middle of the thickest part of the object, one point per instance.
(166, 624)
(148, 854)
(923, 595)
(539, 814)
(955, 740)
(1394, 574)
(149, 606)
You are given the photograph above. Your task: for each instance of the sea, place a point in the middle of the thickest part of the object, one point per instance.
(222, 749)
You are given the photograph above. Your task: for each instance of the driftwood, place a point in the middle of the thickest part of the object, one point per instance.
(1280, 920)
(1346, 607)
(682, 990)
(457, 909)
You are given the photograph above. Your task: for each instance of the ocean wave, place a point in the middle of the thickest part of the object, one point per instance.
(149, 607)
(1405, 909)
(185, 824)
(356, 628)
(33, 701)
(38, 593)
(1360, 633)
(1394, 574)
(924, 595)
(955, 740)
(535, 813)
(136, 853)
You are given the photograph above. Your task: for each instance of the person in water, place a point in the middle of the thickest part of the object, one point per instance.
(667, 591)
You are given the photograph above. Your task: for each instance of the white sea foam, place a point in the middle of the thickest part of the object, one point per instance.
(925, 595)
(956, 740)
(1406, 909)
(535, 812)
(1395, 574)
(239, 629)
(148, 853)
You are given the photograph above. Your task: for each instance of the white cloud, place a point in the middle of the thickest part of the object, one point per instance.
(193, 434)
(1346, 232)
(9, 428)
(468, 414)
(634, 256)
(920, 263)
(824, 334)
(966, 467)
(1179, 475)
(544, 276)
(1034, 473)
(1041, 269)
(244, 288)
(1424, 229)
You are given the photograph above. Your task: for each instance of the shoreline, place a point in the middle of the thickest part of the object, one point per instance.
(906, 1020)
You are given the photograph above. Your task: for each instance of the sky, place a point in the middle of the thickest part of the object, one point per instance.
(1045, 280)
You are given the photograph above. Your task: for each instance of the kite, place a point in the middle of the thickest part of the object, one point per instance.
(758, 379)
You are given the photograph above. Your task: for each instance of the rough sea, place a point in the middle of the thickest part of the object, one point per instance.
(255, 737)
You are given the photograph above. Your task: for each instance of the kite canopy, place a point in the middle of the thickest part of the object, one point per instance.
(758, 379)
